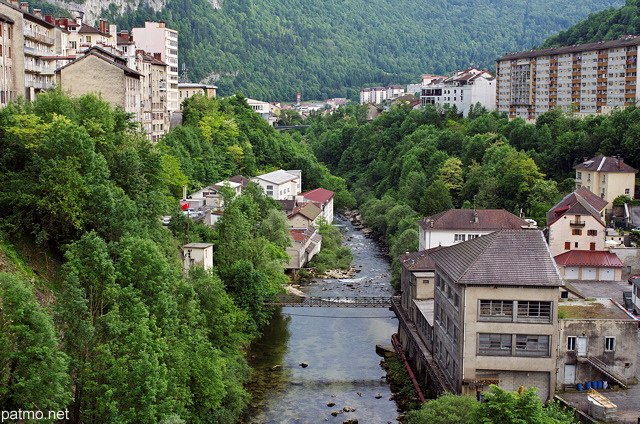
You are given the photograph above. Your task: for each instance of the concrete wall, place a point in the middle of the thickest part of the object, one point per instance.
(94, 75)
(630, 256)
(622, 361)
(472, 362)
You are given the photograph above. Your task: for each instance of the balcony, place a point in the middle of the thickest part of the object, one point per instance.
(577, 223)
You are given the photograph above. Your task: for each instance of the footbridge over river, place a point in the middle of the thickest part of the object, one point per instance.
(336, 302)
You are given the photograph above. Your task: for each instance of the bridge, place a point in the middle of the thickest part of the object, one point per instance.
(336, 302)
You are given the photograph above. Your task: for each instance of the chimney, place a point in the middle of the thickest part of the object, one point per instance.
(584, 159)
(620, 162)
(38, 13)
(113, 29)
(49, 19)
(184, 192)
(124, 34)
(157, 56)
(103, 26)
(475, 216)
(24, 6)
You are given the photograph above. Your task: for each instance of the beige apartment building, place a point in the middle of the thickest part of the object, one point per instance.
(607, 177)
(154, 38)
(155, 117)
(99, 71)
(588, 79)
(11, 54)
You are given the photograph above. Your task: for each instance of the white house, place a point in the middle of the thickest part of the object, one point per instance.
(197, 254)
(280, 184)
(463, 89)
(457, 225)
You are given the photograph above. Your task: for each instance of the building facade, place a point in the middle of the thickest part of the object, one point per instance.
(155, 37)
(155, 117)
(495, 313)
(462, 90)
(588, 79)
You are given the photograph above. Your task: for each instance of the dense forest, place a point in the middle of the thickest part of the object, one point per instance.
(271, 50)
(608, 24)
(96, 313)
(407, 164)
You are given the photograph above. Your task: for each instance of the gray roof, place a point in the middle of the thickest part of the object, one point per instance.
(277, 177)
(506, 257)
(197, 245)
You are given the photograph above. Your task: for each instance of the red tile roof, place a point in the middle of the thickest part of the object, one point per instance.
(588, 258)
(580, 202)
(464, 219)
(318, 195)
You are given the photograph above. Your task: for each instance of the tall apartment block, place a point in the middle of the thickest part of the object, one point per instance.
(154, 38)
(588, 79)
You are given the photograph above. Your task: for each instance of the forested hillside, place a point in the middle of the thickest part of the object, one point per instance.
(608, 24)
(273, 49)
(96, 313)
(407, 164)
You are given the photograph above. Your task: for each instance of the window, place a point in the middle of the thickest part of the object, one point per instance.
(534, 311)
(571, 343)
(459, 237)
(494, 344)
(592, 246)
(576, 232)
(609, 344)
(269, 190)
(496, 310)
(592, 233)
(567, 245)
(627, 191)
(576, 244)
(532, 345)
(472, 236)
(588, 177)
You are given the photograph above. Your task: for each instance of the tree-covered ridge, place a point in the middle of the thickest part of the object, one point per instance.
(407, 164)
(121, 333)
(608, 24)
(273, 49)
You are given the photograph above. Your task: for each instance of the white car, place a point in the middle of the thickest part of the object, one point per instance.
(166, 220)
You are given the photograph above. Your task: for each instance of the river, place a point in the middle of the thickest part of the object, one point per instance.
(338, 344)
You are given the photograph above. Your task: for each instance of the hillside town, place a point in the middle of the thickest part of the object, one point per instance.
(489, 297)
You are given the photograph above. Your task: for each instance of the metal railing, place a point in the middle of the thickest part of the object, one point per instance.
(343, 302)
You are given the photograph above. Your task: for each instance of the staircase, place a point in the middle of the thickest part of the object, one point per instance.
(603, 368)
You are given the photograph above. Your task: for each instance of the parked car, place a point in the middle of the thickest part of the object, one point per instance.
(633, 278)
(165, 220)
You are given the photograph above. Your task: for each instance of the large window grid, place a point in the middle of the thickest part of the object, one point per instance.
(503, 311)
(494, 344)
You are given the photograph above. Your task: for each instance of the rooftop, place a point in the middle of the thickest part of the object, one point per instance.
(589, 258)
(465, 219)
(277, 177)
(602, 163)
(592, 309)
(320, 195)
(506, 257)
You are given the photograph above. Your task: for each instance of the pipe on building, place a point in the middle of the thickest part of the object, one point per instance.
(398, 348)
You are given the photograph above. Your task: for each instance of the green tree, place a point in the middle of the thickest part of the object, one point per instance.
(447, 409)
(33, 374)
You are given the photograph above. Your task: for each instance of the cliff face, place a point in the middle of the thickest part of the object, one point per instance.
(93, 8)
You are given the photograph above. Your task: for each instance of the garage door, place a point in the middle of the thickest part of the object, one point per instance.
(607, 274)
(571, 273)
(588, 274)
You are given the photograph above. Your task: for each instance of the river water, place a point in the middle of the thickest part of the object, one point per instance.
(338, 344)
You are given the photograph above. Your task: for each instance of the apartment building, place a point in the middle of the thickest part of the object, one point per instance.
(591, 78)
(155, 37)
(99, 71)
(11, 55)
(377, 95)
(462, 90)
(188, 89)
(495, 313)
(155, 119)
